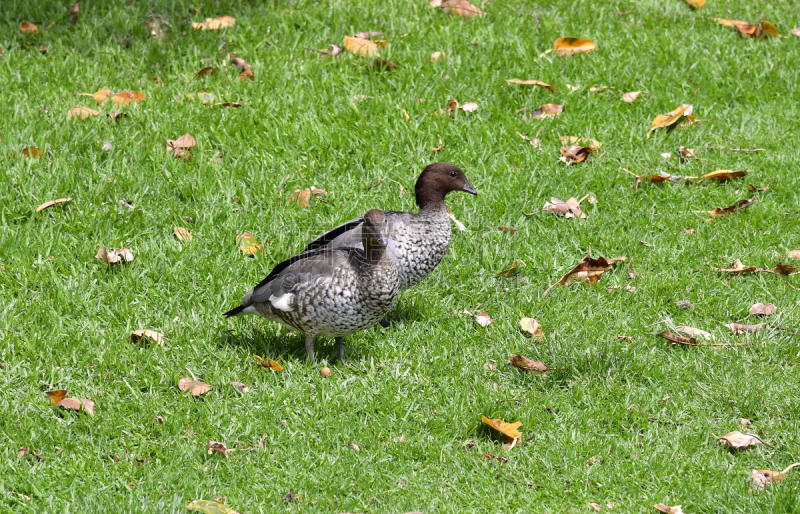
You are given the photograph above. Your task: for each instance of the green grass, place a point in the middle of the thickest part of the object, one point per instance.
(645, 411)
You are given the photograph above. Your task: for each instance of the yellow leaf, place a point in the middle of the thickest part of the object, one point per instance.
(361, 46)
(573, 45)
(508, 429)
(215, 23)
(182, 234)
(193, 387)
(28, 27)
(32, 152)
(81, 112)
(532, 82)
(269, 363)
(697, 4)
(209, 507)
(515, 268)
(669, 119)
(143, 335)
(248, 244)
(532, 327)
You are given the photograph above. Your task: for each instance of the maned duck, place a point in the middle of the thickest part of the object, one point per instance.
(333, 292)
(417, 242)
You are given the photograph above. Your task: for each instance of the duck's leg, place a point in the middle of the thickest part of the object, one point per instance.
(340, 349)
(310, 347)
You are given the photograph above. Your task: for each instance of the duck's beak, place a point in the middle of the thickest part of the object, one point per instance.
(469, 189)
(383, 240)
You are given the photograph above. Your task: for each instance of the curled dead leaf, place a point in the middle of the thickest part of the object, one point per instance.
(51, 203)
(243, 66)
(677, 339)
(697, 4)
(248, 244)
(589, 270)
(572, 45)
(32, 151)
(114, 256)
(631, 96)
(269, 363)
(723, 174)
(217, 447)
(759, 309)
(745, 329)
(719, 212)
(525, 364)
(507, 229)
(547, 111)
(208, 70)
(670, 119)
(507, 429)
(532, 328)
(483, 319)
(220, 22)
(242, 388)
(124, 98)
(666, 508)
(569, 209)
(361, 46)
(532, 82)
(81, 113)
(738, 440)
(694, 332)
(762, 478)
(515, 268)
(59, 399)
(737, 267)
(180, 147)
(144, 335)
(182, 234)
(28, 27)
(582, 141)
(764, 29)
(193, 387)
(574, 153)
(458, 7)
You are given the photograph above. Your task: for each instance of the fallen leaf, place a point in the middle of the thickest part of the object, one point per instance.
(301, 197)
(126, 97)
(631, 96)
(764, 28)
(596, 506)
(689, 154)
(214, 23)
(243, 66)
(52, 203)
(666, 508)
(755, 189)
(361, 46)
(759, 309)
(515, 268)
(795, 32)
(460, 226)
(783, 270)
(745, 329)
(144, 335)
(269, 363)
(741, 204)
(583, 141)
(180, 147)
(331, 50)
(458, 7)
(368, 34)
(217, 447)
(572, 45)
(115, 115)
(676, 339)
(242, 388)
(28, 27)
(208, 70)
(547, 111)
(694, 332)
(508, 230)
(574, 153)
(469, 106)
(532, 82)
(73, 13)
(525, 364)
(738, 440)
(761, 478)
(483, 319)
(532, 328)
(598, 89)
(209, 507)
(536, 143)
(669, 119)
(507, 429)
(589, 270)
(437, 149)
(289, 496)
(81, 112)
(182, 234)
(568, 209)
(114, 256)
(697, 4)
(248, 244)
(99, 96)
(723, 174)
(435, 56)
(737, 267)
(194, 387)
(59, 399)
(794, 254)
(32, 151)
(629, 289)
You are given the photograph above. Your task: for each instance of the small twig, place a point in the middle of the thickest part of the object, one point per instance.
(512, 399)
(375, 185)
(190, 372)
(790, 285)
(790, 467)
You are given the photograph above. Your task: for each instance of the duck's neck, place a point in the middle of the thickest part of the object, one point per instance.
(431, 202)
(373, 251)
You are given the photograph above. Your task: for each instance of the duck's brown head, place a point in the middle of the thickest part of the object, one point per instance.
(438, 179)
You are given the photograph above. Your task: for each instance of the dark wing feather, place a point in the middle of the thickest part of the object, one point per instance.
(325, 238)
(285, 264)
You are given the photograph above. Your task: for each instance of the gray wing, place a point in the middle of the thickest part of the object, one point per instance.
(302, 268)
(346, 235)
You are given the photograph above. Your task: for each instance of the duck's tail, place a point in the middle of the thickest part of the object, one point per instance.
(235, 312)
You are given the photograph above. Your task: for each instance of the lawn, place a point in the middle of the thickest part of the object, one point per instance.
(625, 418)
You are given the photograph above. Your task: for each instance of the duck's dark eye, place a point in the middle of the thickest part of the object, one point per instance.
(453, 174)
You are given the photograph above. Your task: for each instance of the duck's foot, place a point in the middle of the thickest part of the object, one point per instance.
(310, 347)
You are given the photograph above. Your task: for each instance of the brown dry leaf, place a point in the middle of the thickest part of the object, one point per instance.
(515, 268)
(547, 111)
(532, 328)
(761, 478)
(242, 388)
(689, 154)
(243, 66)
(194, 387)
(583, 141)
(738, 440)
(269, 363)
(214, 23)
(568, 209)
(99, 96)
(28, 27)
(532, 82)
(596, 506)
(737, 267)
(208, 70)
(182, 234)
(508, 230)
(589, 270)
(741, 204)
(697, 4)
(756, 189)
(144, 335)
(437, 149)
(32, 151)
(507, 429)
(114, 256)
(759, 309)
(435, 56)
(795, 32)
(126, 97)
(723, 174)
(598, 89)
(368, 34)
(783, 270)
(629, 289)
(361, 46)
(572, 45)
(217, 447)
(525, 364)
(794, 254)
(764, 28)
(74, 9)
(535, 142)
(676, 339)
(52, 203)
(180, 147)
(248, 244)
(694, 332)
(81, 113)
(631, 96)
(458, 7)
(745, 329)
(301, 197)
(331, 50)
(59, 399)
(666, 508)
(669, 119)
(574, 153)
(209, 507)
(483, 319)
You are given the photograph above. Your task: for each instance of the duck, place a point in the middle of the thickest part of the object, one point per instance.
(334, 292)
(417, 242)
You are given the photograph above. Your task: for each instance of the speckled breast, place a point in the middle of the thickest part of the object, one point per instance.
(417, 249)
